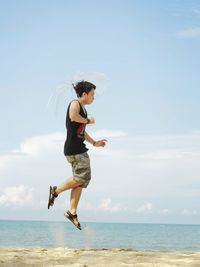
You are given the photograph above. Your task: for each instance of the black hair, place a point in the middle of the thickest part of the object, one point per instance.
(82, 87)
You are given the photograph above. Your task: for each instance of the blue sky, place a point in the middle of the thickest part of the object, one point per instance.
(144, 57)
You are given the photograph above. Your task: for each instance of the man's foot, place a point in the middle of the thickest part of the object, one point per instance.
(73, 218)
(52, 195)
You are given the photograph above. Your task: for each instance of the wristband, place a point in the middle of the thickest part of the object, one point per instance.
(94, 143)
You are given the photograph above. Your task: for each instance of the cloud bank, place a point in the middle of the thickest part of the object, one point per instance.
(143, 177)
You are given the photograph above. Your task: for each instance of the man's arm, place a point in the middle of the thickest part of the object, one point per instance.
(74, 113)
(75, 116)
(90, 140)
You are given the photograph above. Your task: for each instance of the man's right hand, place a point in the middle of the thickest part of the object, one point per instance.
(91, 118)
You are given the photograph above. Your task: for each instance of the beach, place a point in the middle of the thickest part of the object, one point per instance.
(12, 257)
(51, 244)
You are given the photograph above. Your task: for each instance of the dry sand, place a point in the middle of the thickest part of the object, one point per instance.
(93, 257)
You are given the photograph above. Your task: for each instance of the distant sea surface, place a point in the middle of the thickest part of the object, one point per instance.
(165, 237)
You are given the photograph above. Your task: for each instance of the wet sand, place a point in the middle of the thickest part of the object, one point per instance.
(95, 257)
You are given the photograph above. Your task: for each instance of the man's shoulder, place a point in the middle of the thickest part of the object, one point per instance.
(74, 104)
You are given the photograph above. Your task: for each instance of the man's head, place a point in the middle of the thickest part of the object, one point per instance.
(85, 91)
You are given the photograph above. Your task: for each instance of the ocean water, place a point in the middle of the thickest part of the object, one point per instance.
(165, 237)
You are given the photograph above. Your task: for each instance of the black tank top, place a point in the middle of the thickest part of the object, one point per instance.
(74, 143)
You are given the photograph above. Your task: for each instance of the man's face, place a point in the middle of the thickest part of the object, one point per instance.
(89, 98)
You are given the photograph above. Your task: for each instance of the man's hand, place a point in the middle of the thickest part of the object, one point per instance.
(100, 143)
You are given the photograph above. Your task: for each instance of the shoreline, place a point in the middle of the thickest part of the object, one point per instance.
(47, 257)
(100, 222)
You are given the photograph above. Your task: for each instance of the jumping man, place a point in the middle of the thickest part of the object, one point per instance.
(75, 149)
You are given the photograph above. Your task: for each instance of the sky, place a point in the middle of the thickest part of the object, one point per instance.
(144, 58)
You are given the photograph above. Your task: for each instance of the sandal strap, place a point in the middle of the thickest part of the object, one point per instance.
(54, 194)
(73, 216)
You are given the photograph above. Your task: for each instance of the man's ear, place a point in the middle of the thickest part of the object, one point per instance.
(84, 94)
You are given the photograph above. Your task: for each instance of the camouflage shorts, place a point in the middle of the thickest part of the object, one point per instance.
(80, 168)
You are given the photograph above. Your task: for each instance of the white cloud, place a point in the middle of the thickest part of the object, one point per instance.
(165, 211)
(145, 208)
(192, 32)
(51, 144)
(16, 196)
(44, 144)
(106, 205)
(187, 212)
(32, 148)
(130, 169)
(104, 133)
(39, 144)
(166, 154)
(87, 206)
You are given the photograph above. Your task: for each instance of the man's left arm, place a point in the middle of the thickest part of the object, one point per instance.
(90, 140)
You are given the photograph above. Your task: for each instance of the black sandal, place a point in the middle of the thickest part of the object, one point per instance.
(52, 195)
(71, 217)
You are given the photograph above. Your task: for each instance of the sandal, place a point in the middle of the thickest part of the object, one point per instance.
(72, 218)
(52, 195)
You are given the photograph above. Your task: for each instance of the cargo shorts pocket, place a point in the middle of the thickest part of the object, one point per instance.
(83, 159)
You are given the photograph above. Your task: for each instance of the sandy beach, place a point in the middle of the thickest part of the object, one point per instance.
(93, 257)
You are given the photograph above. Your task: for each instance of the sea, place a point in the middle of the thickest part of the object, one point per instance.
(133, 236)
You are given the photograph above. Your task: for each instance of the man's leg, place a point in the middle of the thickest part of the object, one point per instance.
(71, 213)
(69, 184)
(55, 191)
(75, 197)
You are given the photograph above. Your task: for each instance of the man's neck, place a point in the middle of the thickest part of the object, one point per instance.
(81, 101)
